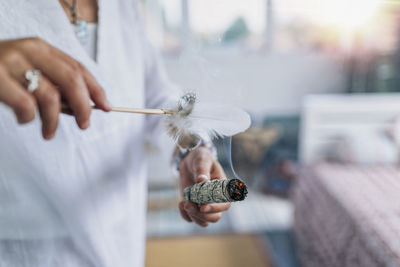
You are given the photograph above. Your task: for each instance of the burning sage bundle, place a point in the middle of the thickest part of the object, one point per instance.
(216, 191)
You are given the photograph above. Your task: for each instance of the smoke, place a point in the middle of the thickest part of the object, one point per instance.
(225, 157)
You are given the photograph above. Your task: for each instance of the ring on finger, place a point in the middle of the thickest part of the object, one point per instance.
(33, 77)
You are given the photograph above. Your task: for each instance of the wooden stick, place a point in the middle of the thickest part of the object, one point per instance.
(143, 110)
(154, 111)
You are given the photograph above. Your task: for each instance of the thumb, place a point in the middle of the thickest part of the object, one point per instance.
(202, 169)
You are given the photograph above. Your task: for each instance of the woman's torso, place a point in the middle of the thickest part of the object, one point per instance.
(85, 186)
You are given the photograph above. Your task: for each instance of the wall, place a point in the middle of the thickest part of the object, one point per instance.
(264, 85)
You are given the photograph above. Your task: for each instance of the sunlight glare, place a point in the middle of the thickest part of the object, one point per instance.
(349, 14)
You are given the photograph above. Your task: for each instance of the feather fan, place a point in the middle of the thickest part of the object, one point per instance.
(191, 121)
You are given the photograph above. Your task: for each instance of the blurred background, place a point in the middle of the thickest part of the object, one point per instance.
(321, 80)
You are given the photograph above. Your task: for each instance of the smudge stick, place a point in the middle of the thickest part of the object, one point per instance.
(216, 191)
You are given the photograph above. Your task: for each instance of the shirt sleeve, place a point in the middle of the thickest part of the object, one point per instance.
(160, 92)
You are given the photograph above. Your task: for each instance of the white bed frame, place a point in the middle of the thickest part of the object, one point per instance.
(324, 117)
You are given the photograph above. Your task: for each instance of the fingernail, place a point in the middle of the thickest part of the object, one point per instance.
(190, 209)
(85, 125)
(206, 208)
(48, 136)
(202, 177)
(107, 104)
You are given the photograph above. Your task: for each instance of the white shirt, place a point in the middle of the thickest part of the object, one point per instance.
(79, 199)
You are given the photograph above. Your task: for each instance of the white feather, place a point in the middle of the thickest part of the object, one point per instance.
(208, 119)
(217, 120)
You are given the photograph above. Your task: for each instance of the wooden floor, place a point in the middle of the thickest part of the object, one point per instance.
(207, 251)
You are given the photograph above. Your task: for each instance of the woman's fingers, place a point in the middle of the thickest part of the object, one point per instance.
(190, 217)
(214, 208)
(98, 96)
(217, 172)
(183, 212)
(16, 97)
(200, 166)
(193, 217)
(96, 93)
(70, 84)
(12, 92)
(202, 163)
(199, 222)
(46, 95)
(62, 78)
(75, 83)
(48, 99)
(196, 215)
(210, 218)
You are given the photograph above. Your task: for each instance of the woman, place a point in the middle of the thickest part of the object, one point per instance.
(78, 199)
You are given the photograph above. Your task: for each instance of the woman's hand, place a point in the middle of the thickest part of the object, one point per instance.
(62, 78)
(200, 165)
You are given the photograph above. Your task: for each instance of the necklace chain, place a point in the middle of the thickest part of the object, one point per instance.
(80, 25)
(72, 10)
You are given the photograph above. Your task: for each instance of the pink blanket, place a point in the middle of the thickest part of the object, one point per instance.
(348, 216)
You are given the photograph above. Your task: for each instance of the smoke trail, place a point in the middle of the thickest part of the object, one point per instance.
(225, 156)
